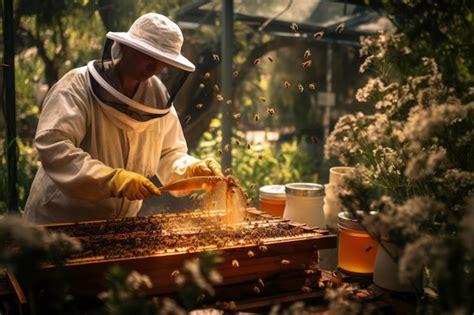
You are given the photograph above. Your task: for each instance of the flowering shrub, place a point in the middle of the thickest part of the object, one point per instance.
(415, 165)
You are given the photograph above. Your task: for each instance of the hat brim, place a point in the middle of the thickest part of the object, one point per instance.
(178, 61)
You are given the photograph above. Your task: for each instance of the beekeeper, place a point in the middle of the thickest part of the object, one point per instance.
(108, 127)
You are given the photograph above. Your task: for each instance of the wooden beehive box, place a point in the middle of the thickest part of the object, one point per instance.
(284, 262)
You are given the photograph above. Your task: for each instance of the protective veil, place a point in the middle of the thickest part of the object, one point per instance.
(88, 131)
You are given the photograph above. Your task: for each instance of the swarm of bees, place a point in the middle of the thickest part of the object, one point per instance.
(306, 63)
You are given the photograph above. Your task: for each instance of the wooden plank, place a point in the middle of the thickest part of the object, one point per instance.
(281, 266)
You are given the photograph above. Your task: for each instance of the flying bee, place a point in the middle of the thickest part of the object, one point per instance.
(307, 54)
(237, 142)
(306, 289)
(306, 64)
(263, 248)
(249, 146)
(300, 88)
(260, 282)
(220, 98)
(227, 147)
(207, 75)
(249, 201)
(237, 115)
(270, 111)
(252, 186)
(235, 74)
(187, 119)
(199, 106)
(270, 58)
(256, 117)
(228, 170)
(235, 263)
(202, 86)
(256, 61)
(260, 157)
(294, 27)
(318, 35)
(285, 262)
(287, 84)
(314, 139)
(219, 152)
(216, 57)
(321, 283)
(263, 99)
(250, 254)
(175, 273)
(228, 102)
(340, 28)
(216, 88)
(312, 86)
(256, 290)
(368, 248)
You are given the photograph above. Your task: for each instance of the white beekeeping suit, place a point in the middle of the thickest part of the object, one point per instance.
(89, 133)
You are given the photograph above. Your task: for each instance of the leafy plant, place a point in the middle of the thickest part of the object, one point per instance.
(414, 157)
(260, 164)
(27, 166)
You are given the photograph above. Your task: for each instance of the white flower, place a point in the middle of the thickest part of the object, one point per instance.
(136, 280)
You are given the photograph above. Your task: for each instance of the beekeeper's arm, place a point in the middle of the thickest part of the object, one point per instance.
(175, 163)
(61, 129)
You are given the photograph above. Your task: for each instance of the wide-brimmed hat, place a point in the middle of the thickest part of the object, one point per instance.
(157, 36)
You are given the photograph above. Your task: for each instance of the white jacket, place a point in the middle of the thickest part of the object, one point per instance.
(82, 141)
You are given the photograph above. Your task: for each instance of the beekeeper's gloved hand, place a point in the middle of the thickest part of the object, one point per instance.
(132, 186)
(206, 167)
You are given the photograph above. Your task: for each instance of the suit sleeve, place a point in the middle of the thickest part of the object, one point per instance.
(61, 128)
(174, 155)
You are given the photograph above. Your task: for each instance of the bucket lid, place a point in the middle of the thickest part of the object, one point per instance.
(304, 189)
(273, 192)
(347, 221)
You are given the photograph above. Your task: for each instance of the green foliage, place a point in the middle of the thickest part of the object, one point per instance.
(263, 163)
(440, 29)
(24, 249)
(27, 166)
(197, 279)
(415, 174)
(124, 293)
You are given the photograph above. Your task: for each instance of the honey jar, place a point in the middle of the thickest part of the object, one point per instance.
(304, 204)
(272, 199)
(356, 249)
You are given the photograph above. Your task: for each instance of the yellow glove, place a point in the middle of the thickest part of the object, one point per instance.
(132, 186)
(205, 167)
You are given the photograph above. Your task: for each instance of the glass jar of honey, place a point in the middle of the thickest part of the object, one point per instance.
(356, 249)
(272, 199)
